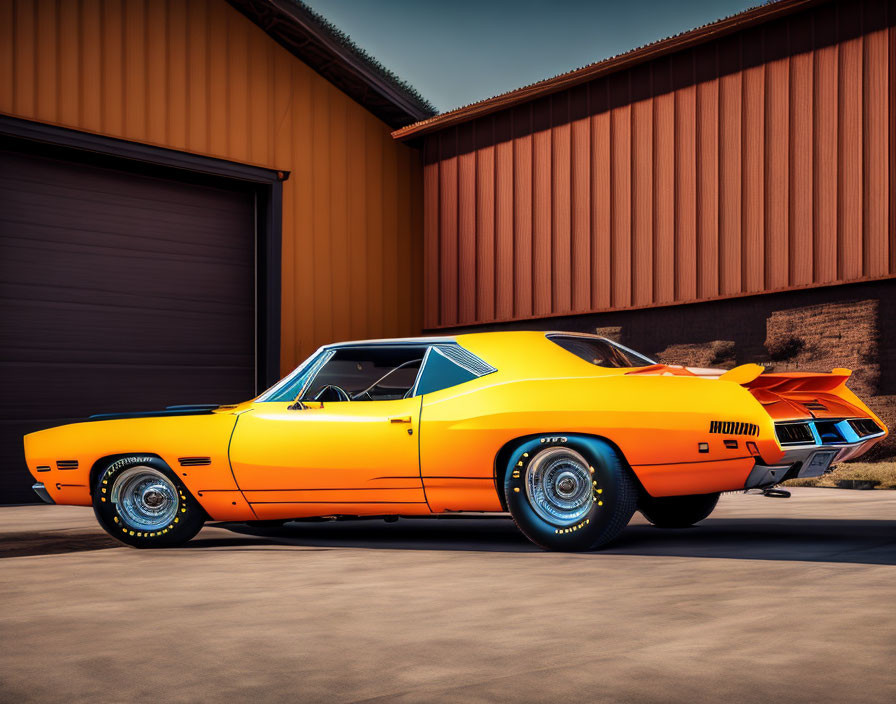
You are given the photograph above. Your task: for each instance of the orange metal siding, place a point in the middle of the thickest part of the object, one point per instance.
(198, 76)
(761, 161)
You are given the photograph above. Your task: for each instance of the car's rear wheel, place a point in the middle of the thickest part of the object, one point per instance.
(569, 492)
(139, 500)
(677, 511)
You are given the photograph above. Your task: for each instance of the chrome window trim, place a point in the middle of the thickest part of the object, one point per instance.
(629, 350)
(392, 342)
(420, 373)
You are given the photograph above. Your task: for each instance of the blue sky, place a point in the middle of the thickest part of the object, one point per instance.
(459, 51)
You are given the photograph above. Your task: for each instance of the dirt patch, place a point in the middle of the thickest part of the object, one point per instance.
(718, 354)
(882, 472)
(885, 409)
(611, 333)
(823, 337)
(831, 335)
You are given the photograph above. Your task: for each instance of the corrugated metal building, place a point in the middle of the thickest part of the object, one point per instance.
(195, 194)
(751, 156)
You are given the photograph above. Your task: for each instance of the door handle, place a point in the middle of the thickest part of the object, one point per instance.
(402, 419)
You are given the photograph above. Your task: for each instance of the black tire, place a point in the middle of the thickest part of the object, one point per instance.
(677, 511)
(171, 515)
(594, 520)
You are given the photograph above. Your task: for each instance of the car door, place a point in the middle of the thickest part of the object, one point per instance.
(325, 457)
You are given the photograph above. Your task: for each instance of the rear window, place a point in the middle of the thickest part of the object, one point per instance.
(600, 352)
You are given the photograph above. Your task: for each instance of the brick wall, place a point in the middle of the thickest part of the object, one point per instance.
(826, 336)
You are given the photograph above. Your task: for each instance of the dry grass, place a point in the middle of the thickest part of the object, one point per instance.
(883, 472)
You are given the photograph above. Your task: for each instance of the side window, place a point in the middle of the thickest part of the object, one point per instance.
(449, 365)
(378, 373)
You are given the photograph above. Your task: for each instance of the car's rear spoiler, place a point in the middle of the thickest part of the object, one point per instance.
(752, 376)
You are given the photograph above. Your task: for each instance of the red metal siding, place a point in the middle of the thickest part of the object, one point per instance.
(761, 161)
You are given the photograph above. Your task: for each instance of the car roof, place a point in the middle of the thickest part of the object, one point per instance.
(386, 341)
(502, 349)
(443, 339)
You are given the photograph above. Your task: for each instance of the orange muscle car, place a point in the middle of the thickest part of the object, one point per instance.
(570, 433)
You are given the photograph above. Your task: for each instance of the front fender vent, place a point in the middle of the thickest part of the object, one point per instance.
(194, 461)
(66, 464)
(728, 427)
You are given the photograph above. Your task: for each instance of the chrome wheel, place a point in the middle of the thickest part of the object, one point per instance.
(145, 498)
(560, 486)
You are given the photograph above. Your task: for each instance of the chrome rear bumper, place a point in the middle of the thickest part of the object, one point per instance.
(832, 441)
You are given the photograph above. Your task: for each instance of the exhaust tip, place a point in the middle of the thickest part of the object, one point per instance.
(776, 493)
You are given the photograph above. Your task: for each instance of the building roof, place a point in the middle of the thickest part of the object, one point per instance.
(685, 40)
(330, 52)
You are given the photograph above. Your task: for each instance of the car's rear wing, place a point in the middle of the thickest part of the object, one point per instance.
(802, 382)
(801, 395)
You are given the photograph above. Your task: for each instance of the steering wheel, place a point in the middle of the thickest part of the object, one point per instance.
(331, 392)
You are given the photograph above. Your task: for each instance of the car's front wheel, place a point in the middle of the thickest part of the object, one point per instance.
(140, 501)
(569, 492)
(677, 511)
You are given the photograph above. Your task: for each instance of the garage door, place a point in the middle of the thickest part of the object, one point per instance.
(120, 291)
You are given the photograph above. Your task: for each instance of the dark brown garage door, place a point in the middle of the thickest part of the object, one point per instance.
(120, 291)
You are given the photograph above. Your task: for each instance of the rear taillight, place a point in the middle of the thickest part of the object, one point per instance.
(864, 427)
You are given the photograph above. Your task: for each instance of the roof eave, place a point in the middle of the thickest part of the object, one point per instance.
(663, 47)
(294, 29)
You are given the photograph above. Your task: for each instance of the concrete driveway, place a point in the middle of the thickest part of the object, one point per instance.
(769, 600)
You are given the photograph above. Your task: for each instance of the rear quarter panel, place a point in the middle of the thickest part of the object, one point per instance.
(657, 423)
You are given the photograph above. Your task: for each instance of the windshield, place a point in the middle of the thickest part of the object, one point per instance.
(289, 387)
(600, 351)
